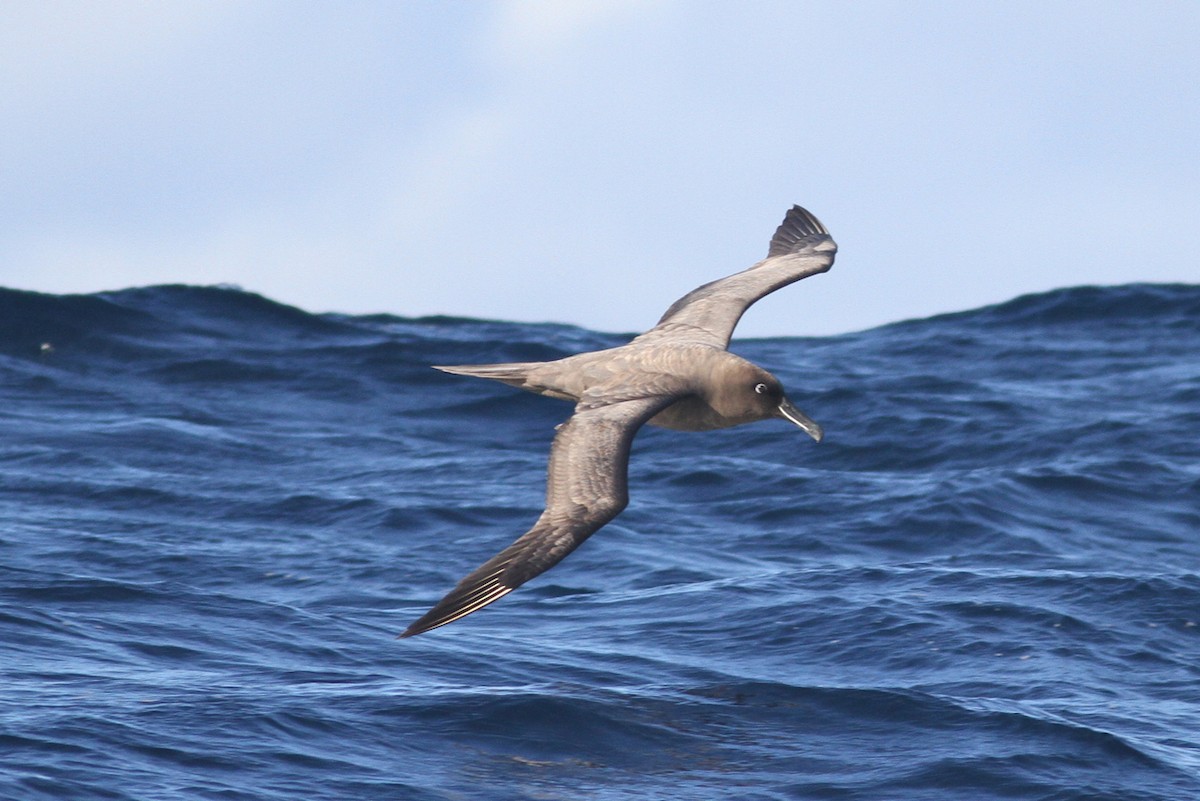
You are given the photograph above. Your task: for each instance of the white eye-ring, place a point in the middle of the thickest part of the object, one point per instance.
(761, 389)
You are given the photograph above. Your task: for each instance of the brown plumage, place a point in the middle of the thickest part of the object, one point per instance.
(676, 375)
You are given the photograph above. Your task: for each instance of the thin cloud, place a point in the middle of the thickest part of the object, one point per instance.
(536, 160)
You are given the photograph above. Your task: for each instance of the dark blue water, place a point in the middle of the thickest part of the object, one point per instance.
(217, 513)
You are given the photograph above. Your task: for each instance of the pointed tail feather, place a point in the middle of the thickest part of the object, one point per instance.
(514, 373)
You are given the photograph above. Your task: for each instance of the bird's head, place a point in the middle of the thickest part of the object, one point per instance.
(750, 393)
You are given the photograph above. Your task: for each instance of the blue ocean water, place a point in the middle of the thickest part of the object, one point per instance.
(218, 512)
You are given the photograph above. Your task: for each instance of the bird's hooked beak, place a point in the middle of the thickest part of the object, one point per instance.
(793, 415)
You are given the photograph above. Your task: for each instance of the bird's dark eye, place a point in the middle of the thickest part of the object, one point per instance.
(761, 389)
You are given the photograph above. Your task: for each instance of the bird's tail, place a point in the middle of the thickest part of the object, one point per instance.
(514, 374)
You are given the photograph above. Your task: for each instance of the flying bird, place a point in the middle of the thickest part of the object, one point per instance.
(677, 375)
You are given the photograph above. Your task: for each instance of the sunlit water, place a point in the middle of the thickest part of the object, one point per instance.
(218, 512)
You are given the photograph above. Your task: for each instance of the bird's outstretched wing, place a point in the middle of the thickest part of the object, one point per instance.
(586, 487)
(801, 247)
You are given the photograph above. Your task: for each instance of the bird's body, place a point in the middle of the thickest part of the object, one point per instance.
(677, 375)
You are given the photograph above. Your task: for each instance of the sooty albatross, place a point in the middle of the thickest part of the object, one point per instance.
(676, 375)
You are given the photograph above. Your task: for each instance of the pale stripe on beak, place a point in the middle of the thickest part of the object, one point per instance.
(793, 415)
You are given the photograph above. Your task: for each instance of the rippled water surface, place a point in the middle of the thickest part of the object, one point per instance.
(219, 511)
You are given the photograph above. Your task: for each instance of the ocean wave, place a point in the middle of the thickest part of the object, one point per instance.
(220, 510)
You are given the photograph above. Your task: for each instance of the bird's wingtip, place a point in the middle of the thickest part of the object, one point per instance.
(470, 596)
(420, 627)
(798, 226)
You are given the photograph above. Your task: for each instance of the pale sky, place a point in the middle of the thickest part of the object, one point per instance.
(589, 161)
